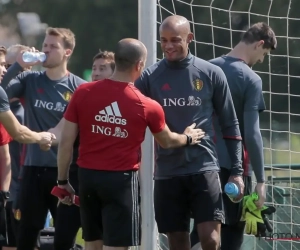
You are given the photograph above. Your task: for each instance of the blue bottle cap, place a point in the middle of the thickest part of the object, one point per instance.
(231, 189)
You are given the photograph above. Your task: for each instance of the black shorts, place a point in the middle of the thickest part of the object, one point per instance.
(11, 225)
(35, 201)
(233, 211)
(110, 207)
(178, 199)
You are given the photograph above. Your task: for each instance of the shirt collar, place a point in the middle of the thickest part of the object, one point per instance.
(180, 64)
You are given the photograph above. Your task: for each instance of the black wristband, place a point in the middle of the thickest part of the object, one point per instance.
(189, 140)
(5, 194)
(62, 182)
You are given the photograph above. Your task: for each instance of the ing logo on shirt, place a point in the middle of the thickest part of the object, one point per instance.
(198, 84)
(67, 96)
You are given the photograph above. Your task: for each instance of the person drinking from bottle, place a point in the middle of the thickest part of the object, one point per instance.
(46, 94)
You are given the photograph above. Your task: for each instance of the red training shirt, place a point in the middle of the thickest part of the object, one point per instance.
(112, 118)
(4, 136)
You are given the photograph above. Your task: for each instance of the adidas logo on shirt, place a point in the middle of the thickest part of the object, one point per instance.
(111, 114)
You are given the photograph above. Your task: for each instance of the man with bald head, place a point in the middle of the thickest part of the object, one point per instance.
(112, 116)
(187, 180)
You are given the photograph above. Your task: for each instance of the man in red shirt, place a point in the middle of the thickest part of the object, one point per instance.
(112, 117)
(5, 170)
(5, 175)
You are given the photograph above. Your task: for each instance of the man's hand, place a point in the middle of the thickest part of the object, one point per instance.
(195, 133)
(68, 200)
(46, 139)
(261, 192)
(238, 180)
(254, 223)
(23, 64)
(257, 223)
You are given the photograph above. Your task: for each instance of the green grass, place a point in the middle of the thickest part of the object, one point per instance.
(282, 152)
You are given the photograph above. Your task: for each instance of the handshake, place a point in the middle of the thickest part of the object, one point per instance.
(257, 223)
(45, 140)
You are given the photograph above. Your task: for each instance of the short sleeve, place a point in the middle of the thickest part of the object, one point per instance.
(17, 85)
(4, 103)
(254, 100)
(155, 116)
(4, 136)
(71, 113)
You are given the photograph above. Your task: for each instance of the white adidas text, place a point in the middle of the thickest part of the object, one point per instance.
(110, 119)
(111, 114)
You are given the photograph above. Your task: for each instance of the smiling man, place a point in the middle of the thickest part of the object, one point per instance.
(190, 91)
(45, 94)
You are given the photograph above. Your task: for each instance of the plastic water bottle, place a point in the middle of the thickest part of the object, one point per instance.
(232, 190)
(48, 219)
(34, 56)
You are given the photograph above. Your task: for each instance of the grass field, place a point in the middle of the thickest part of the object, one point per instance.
(282, 151)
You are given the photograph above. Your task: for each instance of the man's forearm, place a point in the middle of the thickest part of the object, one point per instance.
(5, 168)
(64, 158)
(254, 146)
(26, 136)
(17, 131)
(233, 140)
(57, 134)
(177, 140)
(5, 174)
(171, 140)
(234, 148)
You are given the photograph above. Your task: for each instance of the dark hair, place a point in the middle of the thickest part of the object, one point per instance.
(260, 31)
(3, 50)
(107, 55)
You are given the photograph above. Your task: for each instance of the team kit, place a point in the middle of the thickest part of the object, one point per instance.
(203, 116)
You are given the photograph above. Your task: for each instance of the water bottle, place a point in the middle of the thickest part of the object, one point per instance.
(232, 190)
(48, 220)
(33, 57)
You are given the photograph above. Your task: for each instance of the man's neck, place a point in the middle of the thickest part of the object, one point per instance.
(184, 56)
(57, 72)
(241, 52)
(122, 77)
